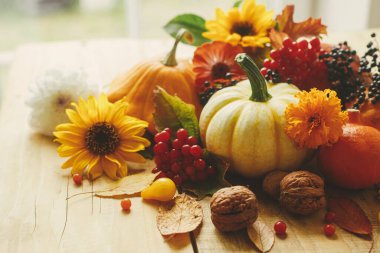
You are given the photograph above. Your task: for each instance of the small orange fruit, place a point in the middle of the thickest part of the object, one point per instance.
(354, 161)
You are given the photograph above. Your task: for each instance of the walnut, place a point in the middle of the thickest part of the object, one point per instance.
(271, 183)
(302, 192)
(233, 208)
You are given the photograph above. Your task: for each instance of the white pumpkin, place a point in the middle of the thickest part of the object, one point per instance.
(248, 130)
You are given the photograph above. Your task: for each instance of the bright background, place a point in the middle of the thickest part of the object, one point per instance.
(29, 21)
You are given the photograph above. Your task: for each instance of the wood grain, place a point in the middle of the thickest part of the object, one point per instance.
(33, 188)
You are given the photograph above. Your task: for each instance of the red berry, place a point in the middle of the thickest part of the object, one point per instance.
(287, 42)
(158, 160)
(191, 140)
(182, 134)
(196, 151)
(155, 170)
(185, 149)
(161, 175)
(201, 176)
(163, 136)
(126, 204)
(315, 43)
(330, 217)
(267, 63)
(170, 174)
(199, 164)
(177, 180)
(177, 144)
(303, 44)
(160, 148)
(275, 54)
(190, 171)
(184, 177)
(77, 178)
(175, 155)
(188, 160)
(166, 157)
(280, 227)
(210, 171)
(168, 130)
(175, 167)
(329, 229)
(264, 71)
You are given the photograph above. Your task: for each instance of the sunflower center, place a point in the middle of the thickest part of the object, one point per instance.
(243, 28)
(102, 138)
(219, 70)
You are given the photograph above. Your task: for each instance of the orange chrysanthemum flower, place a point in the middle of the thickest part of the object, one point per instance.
(316, 120)
(212, 61)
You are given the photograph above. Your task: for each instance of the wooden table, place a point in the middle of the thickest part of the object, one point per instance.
(33, 188)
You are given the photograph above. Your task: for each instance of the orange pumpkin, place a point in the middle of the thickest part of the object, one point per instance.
(137, 85)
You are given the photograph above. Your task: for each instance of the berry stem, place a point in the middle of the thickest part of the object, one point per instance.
(256, 79)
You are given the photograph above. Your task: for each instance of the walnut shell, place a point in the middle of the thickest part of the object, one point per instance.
(302, 192)
(271, 183)
(233, 208)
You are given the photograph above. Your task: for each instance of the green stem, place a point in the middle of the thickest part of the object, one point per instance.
(170, 59)
(258, 82)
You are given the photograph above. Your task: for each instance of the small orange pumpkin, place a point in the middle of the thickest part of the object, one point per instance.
(136, 86)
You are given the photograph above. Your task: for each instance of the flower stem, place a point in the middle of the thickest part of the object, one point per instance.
(256, 79)
(170, 58)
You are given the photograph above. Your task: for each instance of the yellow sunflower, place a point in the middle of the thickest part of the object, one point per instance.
(316, 120)
(248, 27)
(100, 138)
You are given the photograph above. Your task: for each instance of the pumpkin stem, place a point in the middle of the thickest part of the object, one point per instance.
(170, 59)
(258, 82)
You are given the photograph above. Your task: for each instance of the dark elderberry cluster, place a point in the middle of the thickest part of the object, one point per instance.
(340, 73)
(369, 63)
(209, 89)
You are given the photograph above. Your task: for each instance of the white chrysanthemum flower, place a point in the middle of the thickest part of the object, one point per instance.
(51, 95)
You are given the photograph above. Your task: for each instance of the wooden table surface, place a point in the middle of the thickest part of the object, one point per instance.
(33, 188)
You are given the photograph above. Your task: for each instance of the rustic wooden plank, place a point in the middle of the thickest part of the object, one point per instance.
(33, 188)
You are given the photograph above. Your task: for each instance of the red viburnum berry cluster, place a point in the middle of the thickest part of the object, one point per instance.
(298, 63)
(180, 159)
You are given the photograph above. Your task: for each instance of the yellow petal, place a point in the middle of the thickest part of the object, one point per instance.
(65, 151)
(103, 107)
(110, 168)
(132, 157)
(95, 171)
(70, 162)
(75, 118)
(122, 171)
(81, 162)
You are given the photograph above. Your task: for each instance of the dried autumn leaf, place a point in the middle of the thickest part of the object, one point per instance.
(261, 235)
(286, 27)
(181, 215)
(126, 187)
(350, 216)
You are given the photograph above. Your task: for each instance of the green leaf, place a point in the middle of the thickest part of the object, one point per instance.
(192, 23)
(237, 3)
(210, 186)
(172, 112)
